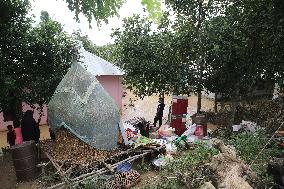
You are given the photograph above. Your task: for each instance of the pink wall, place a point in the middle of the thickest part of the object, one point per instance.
(3, 125)
(112, 84)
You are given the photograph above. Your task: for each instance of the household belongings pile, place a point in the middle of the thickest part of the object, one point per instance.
(165, 136)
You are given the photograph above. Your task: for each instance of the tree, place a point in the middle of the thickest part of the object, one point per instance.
(14, 27)
(191, 17)
(52, 51)
(102, 10)
(107, 52)
(149, 58)
(33, 60)
(245, 45)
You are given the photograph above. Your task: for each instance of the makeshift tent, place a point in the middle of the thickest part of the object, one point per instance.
(81, 105)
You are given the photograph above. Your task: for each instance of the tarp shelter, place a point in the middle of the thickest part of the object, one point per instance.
(83, 106)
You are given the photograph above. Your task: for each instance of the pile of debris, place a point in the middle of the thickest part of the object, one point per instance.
(259, 111)
(230, 171)
(229, 168)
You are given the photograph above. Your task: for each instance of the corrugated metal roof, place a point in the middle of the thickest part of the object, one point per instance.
(96, 65)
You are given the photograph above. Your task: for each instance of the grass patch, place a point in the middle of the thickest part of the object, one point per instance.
(248, 145)
(189, 169)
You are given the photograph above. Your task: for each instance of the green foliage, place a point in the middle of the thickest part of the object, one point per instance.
(154, 9)
(102, 10)
(49, 178)
(164, 184)
(248, 145)
(88, 185)
(52, 51)
(190, 168)
(150, 59)
(14, 27)
(107, 52)
(33, 60)
(101, 182)
(244, 45)
(143, 167)
(201, 154)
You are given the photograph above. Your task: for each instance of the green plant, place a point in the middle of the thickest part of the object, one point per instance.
(89, 185)
(144, 167)
(201, 154)
(49, 177)
(100, 182)
(164, 183)
(248, 146)
(186, 169)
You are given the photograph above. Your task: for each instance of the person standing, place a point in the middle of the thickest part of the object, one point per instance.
(159, 114)
(11, 136)
(30, 129)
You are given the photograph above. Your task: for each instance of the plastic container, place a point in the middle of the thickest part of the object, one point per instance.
(124, 167)
(199, 131)
(179, 105)
(200, 119)
(19, 138)
(178, 123)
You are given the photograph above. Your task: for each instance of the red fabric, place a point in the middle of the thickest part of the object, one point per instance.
(19, 138)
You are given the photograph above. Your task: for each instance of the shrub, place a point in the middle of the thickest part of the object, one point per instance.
(189, 168)
(248, 146)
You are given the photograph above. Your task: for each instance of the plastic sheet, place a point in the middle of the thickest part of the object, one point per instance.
(82, 105)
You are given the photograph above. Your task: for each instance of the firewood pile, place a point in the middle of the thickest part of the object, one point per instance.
(76, 161)
(67, 147)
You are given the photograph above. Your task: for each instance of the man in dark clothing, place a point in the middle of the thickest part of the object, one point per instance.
(30, 129)
(159, 114)
(11, 136)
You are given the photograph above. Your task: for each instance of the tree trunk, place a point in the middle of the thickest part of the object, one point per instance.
(199, 101)
(215, 103)
(40, 109)
(200, 19)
